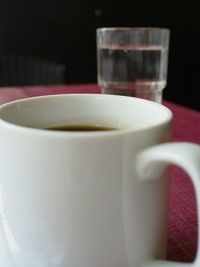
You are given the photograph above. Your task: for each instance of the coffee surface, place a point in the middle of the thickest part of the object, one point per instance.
(82, 128)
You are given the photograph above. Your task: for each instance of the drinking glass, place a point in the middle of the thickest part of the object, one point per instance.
(133, 61)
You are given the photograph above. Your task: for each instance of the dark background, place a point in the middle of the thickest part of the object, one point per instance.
(64, 31)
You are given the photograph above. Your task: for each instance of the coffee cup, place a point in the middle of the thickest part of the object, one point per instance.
(84, 181)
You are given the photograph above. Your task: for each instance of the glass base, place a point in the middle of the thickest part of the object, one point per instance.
(153, 95)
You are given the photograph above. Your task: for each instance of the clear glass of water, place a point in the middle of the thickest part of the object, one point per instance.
(133, 61)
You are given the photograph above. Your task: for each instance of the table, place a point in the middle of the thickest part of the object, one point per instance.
(182, 227)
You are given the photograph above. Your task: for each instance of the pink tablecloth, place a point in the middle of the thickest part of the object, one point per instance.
(182, 241)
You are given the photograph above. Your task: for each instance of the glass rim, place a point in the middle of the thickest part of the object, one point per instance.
(147, 29)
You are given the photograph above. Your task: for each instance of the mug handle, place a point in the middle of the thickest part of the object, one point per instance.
(151, 163)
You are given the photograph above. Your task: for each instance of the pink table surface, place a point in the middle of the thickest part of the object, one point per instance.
(182, 227)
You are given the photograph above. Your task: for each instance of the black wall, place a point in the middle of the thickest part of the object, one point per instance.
(64, 31)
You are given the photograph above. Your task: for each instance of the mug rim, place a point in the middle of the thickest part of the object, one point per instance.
(40, 131)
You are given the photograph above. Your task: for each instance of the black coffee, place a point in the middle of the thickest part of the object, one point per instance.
(82, 128)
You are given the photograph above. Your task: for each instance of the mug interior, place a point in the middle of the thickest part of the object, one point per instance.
(120, 112)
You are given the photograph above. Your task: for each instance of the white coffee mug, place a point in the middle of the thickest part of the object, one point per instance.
(88, 199)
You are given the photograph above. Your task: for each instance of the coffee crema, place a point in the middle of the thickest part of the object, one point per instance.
(82, 128)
